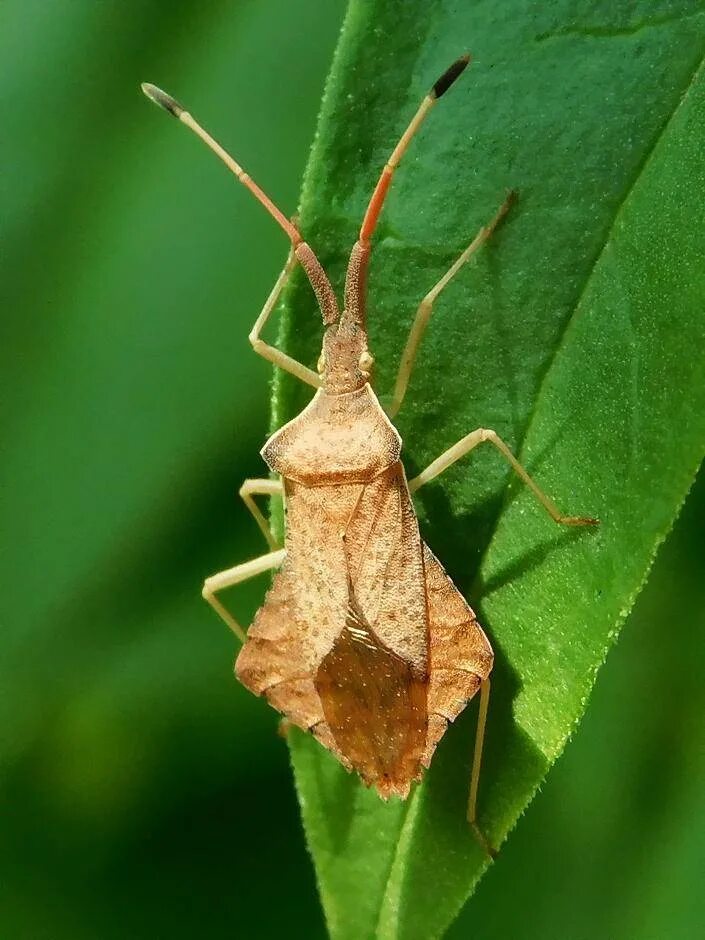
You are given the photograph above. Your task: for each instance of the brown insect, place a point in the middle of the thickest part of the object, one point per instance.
(363, 639)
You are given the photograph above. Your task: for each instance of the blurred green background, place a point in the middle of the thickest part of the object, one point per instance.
(143, 793)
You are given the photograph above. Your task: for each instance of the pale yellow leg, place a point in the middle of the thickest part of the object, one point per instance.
(476, 764)
(271, 353)
(243, 572)
(425, 308)
(252, 488)
(466, 444)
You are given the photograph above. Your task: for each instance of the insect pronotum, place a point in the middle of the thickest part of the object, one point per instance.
(363, 639)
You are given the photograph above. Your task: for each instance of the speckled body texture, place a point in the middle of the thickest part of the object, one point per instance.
(362, 639)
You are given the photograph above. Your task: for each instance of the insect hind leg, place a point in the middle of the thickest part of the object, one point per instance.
(476, 766)
(460, 659)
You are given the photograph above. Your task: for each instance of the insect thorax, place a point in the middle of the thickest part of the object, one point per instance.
(336, 439)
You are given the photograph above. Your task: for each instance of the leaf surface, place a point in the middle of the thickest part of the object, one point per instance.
(577, 335)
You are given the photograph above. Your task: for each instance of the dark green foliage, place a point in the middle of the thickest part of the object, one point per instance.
(144, 793)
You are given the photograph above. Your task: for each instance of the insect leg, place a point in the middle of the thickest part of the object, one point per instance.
(271, 353)
(425, 308)
(466, 444)
(476, 764)
(226, 579)
(252, 488)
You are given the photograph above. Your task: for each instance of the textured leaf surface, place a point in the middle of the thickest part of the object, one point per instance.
(577, 335)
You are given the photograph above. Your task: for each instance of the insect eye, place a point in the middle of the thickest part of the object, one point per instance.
(366, 362)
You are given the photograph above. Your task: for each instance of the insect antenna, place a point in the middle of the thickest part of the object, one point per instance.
(374, 208)
(304, 253)
(357, 268)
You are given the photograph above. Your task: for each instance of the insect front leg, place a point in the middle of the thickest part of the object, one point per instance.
(466, 444)
(271, 353)
(252, 488)
(232, 576)
(425, 308)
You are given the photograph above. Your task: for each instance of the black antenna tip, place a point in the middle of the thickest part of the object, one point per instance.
(449, 76)
(162, 99)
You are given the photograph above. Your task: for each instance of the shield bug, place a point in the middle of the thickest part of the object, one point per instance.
(363, 640)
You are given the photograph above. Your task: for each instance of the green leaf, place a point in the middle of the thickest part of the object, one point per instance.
(577, 335)
(612, 845)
